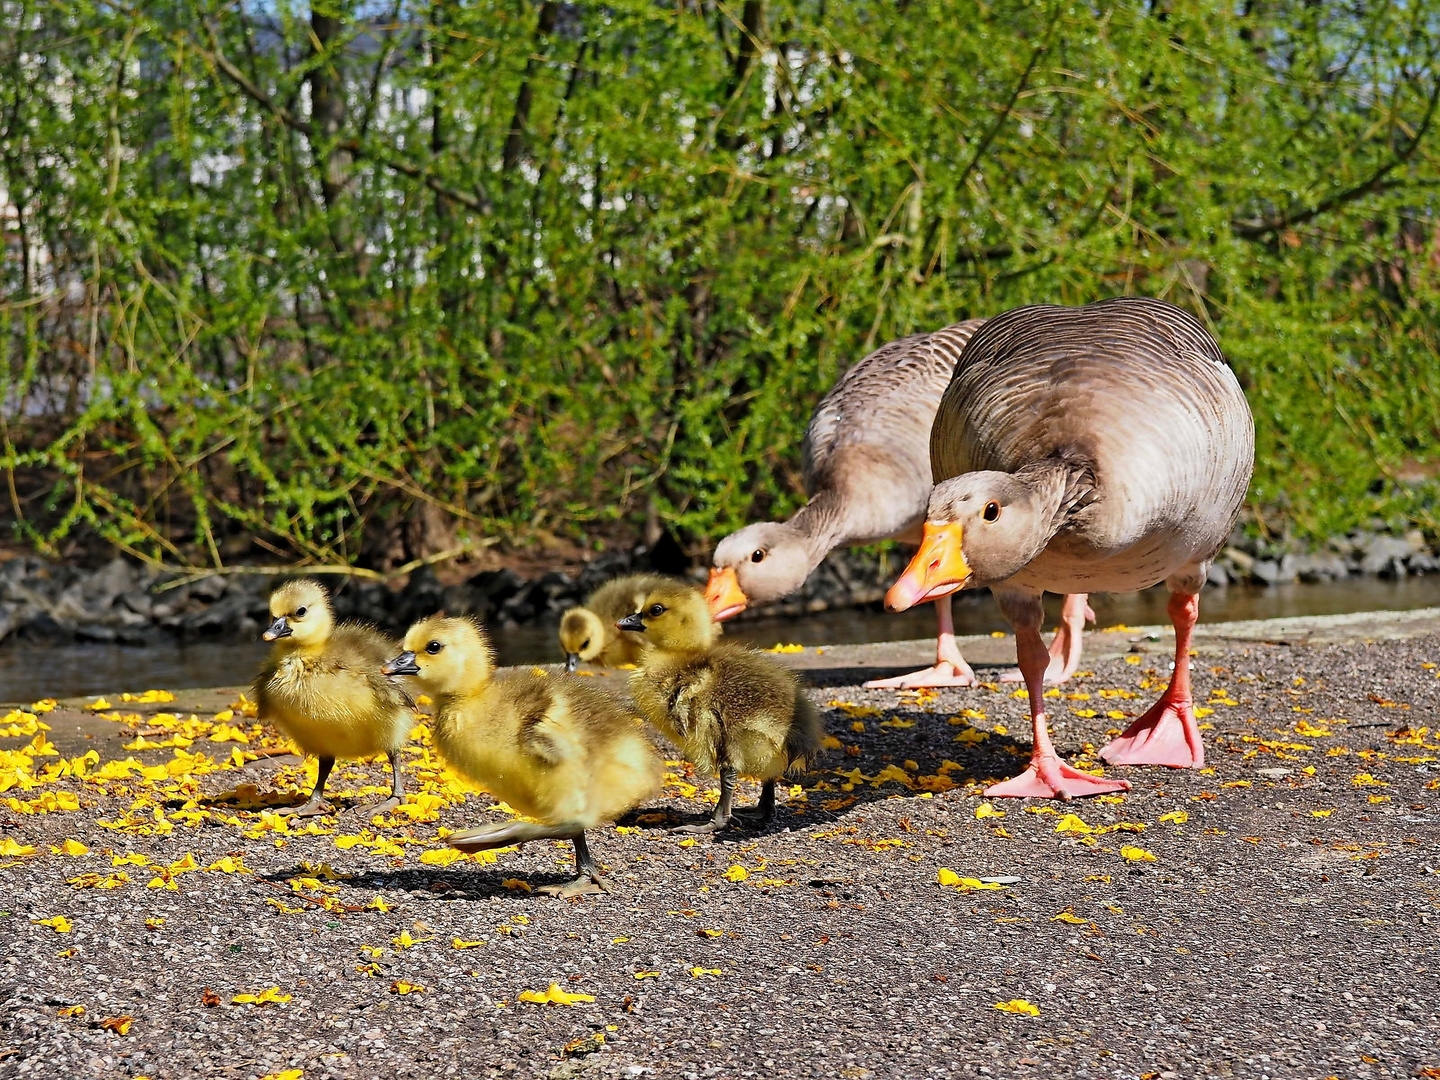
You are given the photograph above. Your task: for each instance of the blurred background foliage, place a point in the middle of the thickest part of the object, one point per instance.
(369, 282)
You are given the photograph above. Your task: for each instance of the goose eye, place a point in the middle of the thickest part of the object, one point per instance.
(656, 610)
(434, 647)
(991, 511)
(758, 555)
(585, 644)
(299, 613)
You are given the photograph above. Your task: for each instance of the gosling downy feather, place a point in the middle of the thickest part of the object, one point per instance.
(552, 746)
(588, 634)
(732, 711)
(1105, 447)
(322, 686)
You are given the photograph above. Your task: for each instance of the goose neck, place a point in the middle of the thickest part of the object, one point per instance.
(820, 524)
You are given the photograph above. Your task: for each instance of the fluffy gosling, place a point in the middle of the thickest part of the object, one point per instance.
(732, 711)
(555, 748)
(588, 632)
(323, 687)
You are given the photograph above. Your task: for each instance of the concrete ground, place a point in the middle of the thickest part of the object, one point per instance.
(1272, 915)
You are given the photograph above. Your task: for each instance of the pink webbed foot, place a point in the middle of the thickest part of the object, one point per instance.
(1166, 735)
(1050, 778)
(942, 673)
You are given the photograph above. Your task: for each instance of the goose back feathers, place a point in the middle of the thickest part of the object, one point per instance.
(1134, 397)
(866, 454)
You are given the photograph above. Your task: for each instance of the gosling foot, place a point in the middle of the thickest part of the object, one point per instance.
(313, 807)
(763, 812)
(382, 807)
(705, 828)
(584, 885)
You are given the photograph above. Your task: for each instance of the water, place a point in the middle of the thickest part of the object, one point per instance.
(29, 671)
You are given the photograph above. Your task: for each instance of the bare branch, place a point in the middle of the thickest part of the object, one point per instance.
(1376, 181)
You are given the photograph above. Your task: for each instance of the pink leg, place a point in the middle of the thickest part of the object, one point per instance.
(1065, 646)
(1047, 777)
(1167, 734)
(950, 668)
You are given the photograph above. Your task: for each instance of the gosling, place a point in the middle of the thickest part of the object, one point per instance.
(322, 685)
(731, 711)
(555, 748)
(588, 633)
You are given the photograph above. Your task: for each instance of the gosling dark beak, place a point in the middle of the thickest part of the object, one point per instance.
(404, 664)
(278, 629)
(572, 661)
(632, 622)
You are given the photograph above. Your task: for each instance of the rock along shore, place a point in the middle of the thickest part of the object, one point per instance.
(128, 603)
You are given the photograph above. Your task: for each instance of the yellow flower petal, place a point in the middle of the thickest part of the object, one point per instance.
(552, 996)
(1019, 1006)
(1070, 823)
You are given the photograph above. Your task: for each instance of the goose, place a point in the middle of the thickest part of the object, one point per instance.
(1105, 447)
(866, 462)
(323, 687)
(557, 749)
(587, 632)
(732, 711)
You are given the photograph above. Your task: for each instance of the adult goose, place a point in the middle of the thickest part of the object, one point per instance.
(867, 471)
(1105, 447)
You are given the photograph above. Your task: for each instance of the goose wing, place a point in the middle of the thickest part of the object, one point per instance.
(1135, 388)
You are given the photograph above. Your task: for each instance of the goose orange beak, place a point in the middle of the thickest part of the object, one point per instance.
(938, 568)
(724, 595)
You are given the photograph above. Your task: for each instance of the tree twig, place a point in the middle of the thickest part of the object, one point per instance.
(195, 573)
(382, 155)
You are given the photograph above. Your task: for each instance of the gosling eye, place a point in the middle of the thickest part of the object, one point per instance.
(299, 613)
(656, 610)
(991, 511)
(434, 647)
(585, 644)
(758, 555)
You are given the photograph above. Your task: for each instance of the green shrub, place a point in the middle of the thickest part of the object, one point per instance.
(350, 285)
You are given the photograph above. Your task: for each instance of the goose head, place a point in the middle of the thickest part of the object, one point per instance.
(673, 617)
(582, 636)
(300, 611)
(980, 528)
(757, 564)
(446, 656)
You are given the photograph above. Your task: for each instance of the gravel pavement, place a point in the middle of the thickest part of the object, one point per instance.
(1276, 914)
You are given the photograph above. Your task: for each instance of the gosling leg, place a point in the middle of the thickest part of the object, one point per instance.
(397, 789)
(589, 881)
(721, 817)
(763, 812)
(315, 805)
(508, 834)
(518, 832)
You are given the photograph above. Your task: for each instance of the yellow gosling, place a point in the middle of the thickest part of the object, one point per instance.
(732, 711)
(323, 687)
(552, 746)
(588, 633)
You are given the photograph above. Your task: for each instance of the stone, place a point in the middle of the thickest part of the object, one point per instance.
(208, 588)
(1266, 571)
